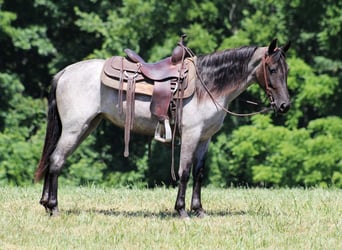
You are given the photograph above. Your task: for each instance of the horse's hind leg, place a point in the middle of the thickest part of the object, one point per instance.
(45, 195)
(57, 159)
(197, 172)
(68, 142)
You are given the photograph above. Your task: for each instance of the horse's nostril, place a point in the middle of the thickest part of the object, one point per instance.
(284, 107)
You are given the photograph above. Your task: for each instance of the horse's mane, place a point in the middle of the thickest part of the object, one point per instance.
(221, 69)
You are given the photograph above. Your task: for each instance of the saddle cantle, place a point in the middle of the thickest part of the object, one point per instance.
(178, 54)
(166, 68)
(165, 81)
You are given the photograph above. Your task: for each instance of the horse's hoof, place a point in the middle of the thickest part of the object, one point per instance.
(43, 202)
(54, 212)
(183, 214)
(51, 208)
(200, 213)
(51, 211)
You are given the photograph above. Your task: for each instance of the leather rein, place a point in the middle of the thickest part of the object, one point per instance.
(218, 105)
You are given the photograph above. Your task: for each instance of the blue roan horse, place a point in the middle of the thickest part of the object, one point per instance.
(79, 101)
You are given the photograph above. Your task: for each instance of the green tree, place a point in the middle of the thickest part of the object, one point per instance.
(40, 37)
(268, 155)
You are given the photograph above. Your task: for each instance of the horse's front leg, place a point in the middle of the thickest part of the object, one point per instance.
(197, 172)
(188, 148)
(183, 181)
(186, 160)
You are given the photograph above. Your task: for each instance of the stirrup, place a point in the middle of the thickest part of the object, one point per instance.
(163, 131)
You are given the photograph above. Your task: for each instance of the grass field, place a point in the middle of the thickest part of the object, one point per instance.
(103, 218)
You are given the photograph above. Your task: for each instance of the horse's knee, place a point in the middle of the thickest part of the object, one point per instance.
(184, 176)
(184, 172)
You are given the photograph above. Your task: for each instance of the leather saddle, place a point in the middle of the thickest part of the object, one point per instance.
(164, 81)
(166, 68)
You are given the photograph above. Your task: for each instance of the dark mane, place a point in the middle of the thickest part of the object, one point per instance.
(223, 68)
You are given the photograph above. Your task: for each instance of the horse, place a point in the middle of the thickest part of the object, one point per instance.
(78, 101)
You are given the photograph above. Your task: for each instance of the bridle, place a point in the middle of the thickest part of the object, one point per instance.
(267, 85)
(267, 89)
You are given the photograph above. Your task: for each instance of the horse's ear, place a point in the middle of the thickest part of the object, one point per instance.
(272, 47)
(286, 46)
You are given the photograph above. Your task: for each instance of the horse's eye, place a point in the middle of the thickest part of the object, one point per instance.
(273, 70)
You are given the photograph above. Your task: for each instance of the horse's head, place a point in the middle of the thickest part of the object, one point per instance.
(272, 76)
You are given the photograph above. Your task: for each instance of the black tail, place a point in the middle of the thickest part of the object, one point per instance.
(53, 131)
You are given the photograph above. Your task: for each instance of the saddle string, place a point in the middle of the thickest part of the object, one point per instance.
(130, 104)
(178, 112)
(121, 86)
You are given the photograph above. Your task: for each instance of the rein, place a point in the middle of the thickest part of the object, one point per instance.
(218, 105)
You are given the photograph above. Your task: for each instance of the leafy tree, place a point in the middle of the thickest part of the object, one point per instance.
(21, 135)
(268, 155)
(40, 37)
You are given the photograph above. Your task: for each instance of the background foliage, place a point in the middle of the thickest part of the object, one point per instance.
(303, 148)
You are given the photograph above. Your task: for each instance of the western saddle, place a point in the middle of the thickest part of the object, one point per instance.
(164, 81)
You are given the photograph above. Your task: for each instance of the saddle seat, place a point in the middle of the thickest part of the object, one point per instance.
(164, 69)
(158, 71)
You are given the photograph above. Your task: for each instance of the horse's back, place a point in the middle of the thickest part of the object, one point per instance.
(81, 96)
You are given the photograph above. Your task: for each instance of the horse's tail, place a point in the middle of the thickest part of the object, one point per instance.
(53, 131)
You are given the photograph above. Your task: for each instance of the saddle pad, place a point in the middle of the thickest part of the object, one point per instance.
(110, 76)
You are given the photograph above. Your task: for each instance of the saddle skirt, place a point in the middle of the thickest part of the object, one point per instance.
(118, 69)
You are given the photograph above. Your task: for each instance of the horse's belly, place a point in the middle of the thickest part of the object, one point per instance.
(144, 126)
(143, 122)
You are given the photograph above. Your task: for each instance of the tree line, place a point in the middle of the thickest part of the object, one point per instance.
(304, 148)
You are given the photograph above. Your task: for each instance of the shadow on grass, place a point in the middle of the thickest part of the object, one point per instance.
(165, 214)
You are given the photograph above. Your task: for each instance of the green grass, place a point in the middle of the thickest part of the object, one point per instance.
(103, 218)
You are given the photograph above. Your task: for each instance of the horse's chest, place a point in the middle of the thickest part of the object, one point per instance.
(212, 125)
(206, 121)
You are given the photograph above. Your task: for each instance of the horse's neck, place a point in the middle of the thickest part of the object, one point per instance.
(226, 84)
(253, 66)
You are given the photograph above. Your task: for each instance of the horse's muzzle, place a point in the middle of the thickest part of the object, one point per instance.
(284, 107)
